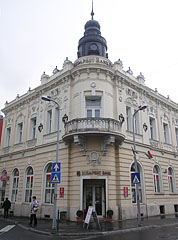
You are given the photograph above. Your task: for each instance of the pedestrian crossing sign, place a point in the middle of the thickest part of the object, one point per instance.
(55, 177)
(135, 178)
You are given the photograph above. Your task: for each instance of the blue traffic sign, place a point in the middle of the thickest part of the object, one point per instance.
(55, 177)
(56, 167)
(135, 178)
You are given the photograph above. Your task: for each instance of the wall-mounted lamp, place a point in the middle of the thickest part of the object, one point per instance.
(65, 119)
(121, 118)
(145, 127)
(40, 127)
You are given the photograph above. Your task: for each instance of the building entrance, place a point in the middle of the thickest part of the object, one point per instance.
(94, 195)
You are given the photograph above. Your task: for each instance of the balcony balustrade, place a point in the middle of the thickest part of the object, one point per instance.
(98, 126)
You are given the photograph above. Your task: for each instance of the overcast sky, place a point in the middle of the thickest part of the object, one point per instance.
(37, 35)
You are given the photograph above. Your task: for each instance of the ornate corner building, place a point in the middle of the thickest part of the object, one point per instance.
(98, 99)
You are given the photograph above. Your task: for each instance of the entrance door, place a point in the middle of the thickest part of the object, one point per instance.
(94, 196)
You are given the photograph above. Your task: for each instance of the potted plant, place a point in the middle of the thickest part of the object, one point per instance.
(109, 215)
(80, 215)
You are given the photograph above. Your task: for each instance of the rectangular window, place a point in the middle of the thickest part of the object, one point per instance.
(152, 128)
(128, 118)
(19, 132)
(8, 136)
(93, 107)
(136, 122)
(166, 132)
(33, 128)
(176, 132)
(49, 121)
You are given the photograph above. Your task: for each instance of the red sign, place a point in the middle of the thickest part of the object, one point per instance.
(125, 191)
(4, 177)
(61, 193)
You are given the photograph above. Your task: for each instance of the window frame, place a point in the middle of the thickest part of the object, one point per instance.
(33, 124)
(8, 136)
(129, 118)
(171, 180)
(49, 120)
(166, 133)
(15, 185)
(48, 186)
(19, 132)
(140, 185)
(176, 135)
(29, 178)
(157, 179)
(152, 123)
(93, 109)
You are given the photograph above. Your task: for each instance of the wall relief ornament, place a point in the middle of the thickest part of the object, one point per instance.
(93, 158)
(93, 85)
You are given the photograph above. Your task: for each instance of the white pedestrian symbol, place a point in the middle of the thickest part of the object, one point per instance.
(55, 178)
(136, 180)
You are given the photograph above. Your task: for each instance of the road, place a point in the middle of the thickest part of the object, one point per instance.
(9, 231)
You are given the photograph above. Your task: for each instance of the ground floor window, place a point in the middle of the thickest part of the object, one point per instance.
(15, 184)
(140, 185)
(49, 187)
(29, 184)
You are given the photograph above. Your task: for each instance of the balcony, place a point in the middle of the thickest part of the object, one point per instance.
(93, 126)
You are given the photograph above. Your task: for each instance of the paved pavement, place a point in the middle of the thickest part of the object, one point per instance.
(68, 228)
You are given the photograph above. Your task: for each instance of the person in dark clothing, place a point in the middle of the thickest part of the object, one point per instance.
(33, 209)
(6, 205)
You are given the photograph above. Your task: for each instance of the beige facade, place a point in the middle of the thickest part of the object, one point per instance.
(95, 148)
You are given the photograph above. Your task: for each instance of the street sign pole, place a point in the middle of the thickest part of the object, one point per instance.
(136, 170)
(55, 185)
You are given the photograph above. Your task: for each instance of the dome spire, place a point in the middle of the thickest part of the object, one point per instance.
(92, 13)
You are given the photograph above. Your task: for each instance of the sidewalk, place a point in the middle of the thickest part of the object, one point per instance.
(76, 229)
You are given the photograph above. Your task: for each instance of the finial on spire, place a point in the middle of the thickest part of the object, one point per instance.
(92, 13)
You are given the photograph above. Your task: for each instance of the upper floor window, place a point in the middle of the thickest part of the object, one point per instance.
(129, 118)
(29, 184)
(152, 129)
(93, 107)
(166, 133)
(176, 132)
(33, 128)
(15, 184)
(136, 122)
(49, 187)
(157, 179)
(140, 185)
(171, 180)
(8, 136)
(49, 121)
(19, 132)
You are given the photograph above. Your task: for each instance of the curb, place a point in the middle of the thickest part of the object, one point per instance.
(119, 231)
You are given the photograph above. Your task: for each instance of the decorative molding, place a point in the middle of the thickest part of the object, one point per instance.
(81, 141)
(109, 140)
(93, 158)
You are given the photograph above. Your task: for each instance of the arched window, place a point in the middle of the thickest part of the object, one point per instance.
(140, 185)
(171, 180)
(2, 188)
(49, 187)
(157, 179)
(15, 183)
(29, 184)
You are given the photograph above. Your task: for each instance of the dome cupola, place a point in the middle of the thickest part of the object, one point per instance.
(92, 43)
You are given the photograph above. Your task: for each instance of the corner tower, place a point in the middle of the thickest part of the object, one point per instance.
(92, 43)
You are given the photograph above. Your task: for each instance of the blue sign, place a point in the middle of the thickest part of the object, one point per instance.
(56, 167)
(135, 178)
(55, 177)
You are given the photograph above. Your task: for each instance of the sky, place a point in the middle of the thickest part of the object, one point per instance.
(38, 35)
